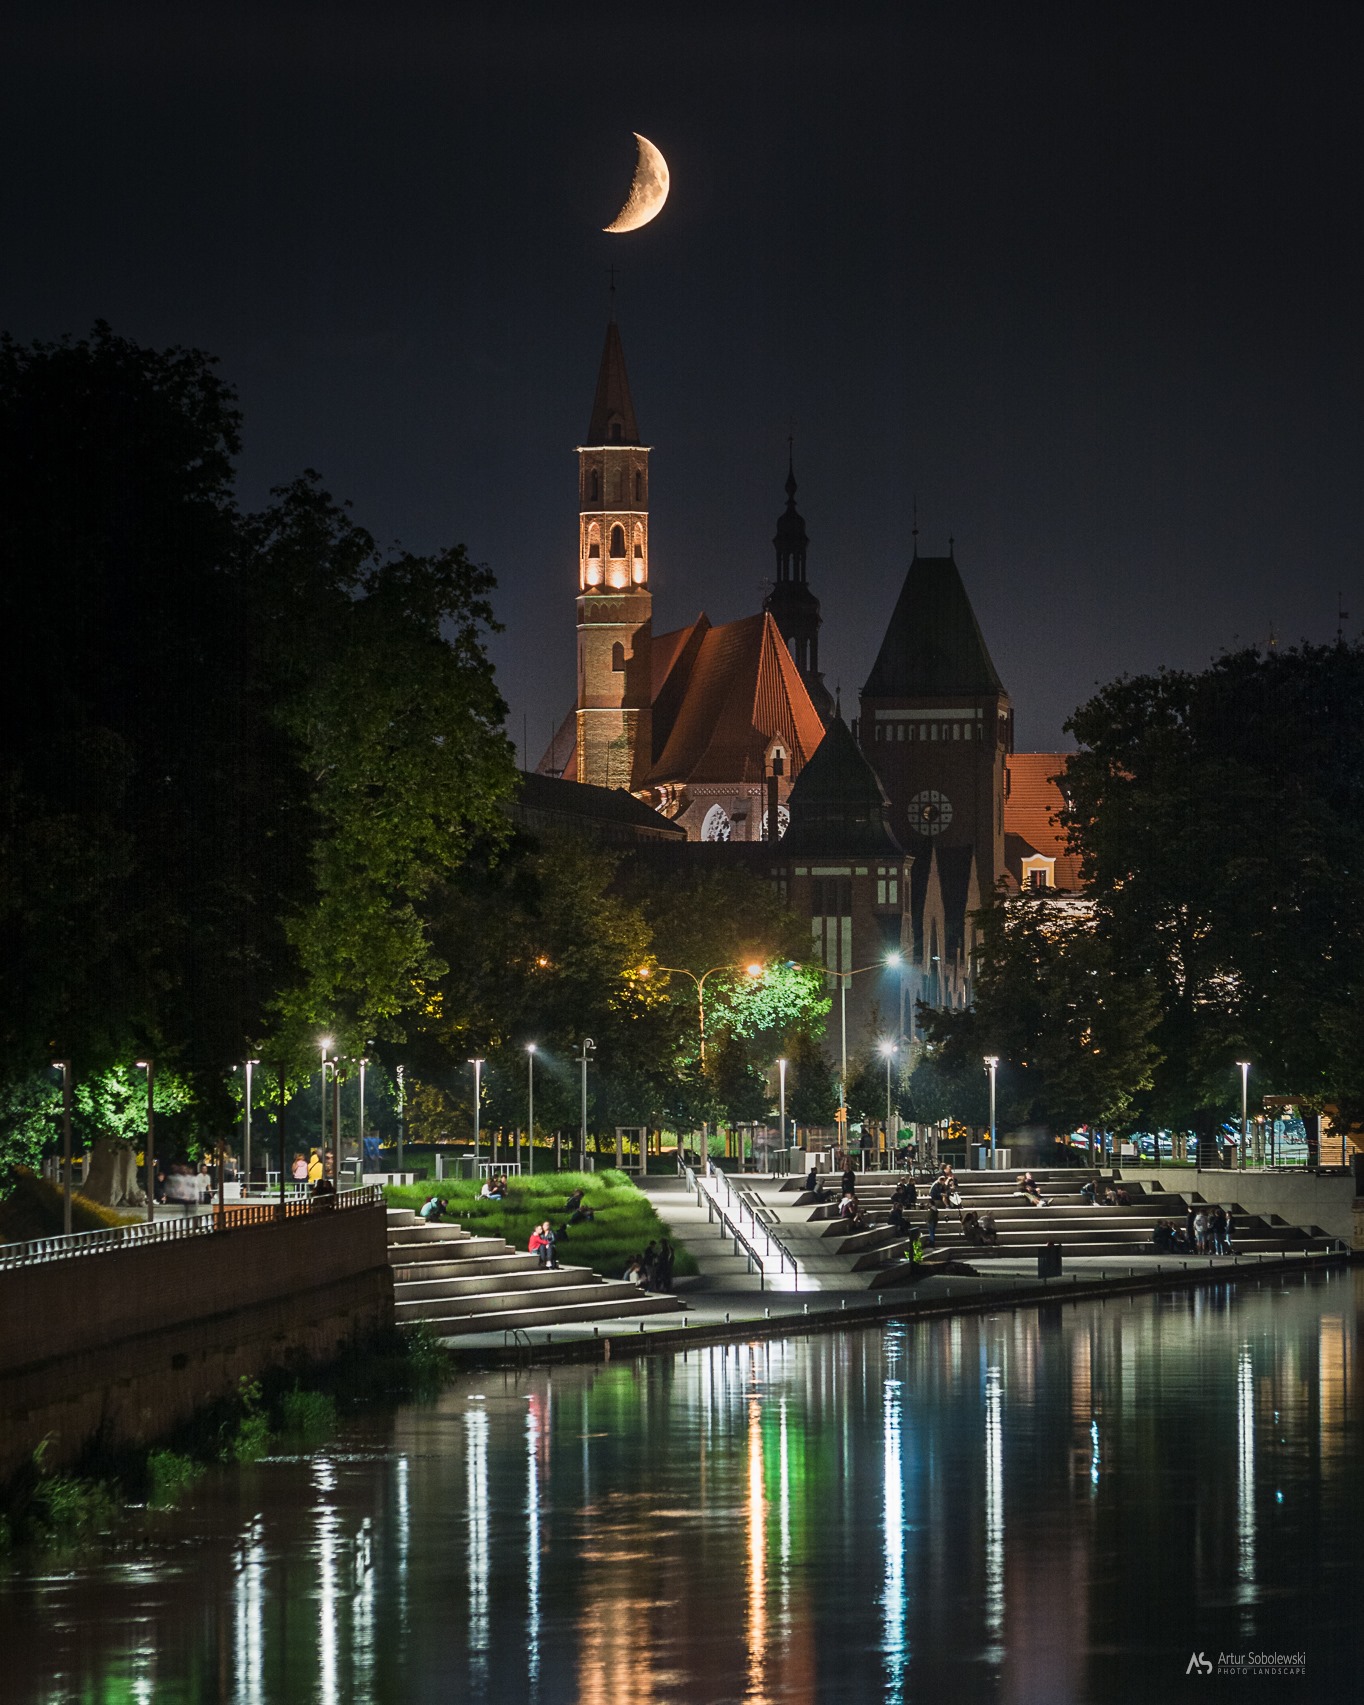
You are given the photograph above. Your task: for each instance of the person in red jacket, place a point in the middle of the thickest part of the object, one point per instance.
(542, 1244)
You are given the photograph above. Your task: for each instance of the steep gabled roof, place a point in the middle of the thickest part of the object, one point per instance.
(725, 700)
(933, 644)
(613, 411)
(838, 801)
(1031, 805)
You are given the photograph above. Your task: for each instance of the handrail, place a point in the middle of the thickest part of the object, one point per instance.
(35, 1250)
(733, 1227)
(747, 1204)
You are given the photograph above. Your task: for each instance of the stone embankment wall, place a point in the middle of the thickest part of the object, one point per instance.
(1301, 1198)
(127, 1344)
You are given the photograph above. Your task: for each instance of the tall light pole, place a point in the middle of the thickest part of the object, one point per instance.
(530, 1113)
(402, 1104)
(324, 1044)
(149, 1066)
(888, 1050)
(478, 1107)
(781, 1072)
(891, 962)
(992, 1066)
(681, 971)
(360, 1166)
(589, 1048)
(64, 1067)
(1245, 1086)
(246, 1133)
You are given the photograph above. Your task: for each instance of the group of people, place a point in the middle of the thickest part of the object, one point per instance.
(653, 1269)
(1107, 1195)
(1206, 1231)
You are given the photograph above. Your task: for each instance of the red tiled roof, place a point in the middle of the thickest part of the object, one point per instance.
(1034, 799)
(741, 691)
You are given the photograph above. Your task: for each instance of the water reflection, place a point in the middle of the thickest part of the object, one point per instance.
(1059, 1504)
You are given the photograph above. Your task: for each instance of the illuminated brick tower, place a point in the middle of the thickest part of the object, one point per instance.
(614, 721)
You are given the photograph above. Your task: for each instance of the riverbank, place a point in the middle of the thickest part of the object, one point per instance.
(716, 1317)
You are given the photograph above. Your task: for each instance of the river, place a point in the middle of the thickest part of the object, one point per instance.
(1083, 1503)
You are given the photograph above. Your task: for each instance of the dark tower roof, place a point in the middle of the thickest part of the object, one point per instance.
(613, 412)
(933, 644)
(790, 539)
(837, 802)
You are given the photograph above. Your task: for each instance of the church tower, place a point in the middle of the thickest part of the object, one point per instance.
(794, 607)
(937, 724)
(615, 605)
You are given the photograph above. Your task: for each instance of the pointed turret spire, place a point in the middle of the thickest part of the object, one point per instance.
(613, 411)
(838, 800)
(933, 644)
(794, 606)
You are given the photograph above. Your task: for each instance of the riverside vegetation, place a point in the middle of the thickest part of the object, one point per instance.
(624, 1221)
(51, 1510)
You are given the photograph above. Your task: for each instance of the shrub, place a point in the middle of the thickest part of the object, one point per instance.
(308, 1415)
(251, 1436)
(168, 1474)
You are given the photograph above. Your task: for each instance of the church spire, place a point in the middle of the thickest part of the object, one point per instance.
(613, 411)
(794, 607)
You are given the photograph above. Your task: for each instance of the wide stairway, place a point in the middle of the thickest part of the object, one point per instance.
(1081, 1228)
(463, 1283)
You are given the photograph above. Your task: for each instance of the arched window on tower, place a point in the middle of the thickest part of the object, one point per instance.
(639, 486)
(618, 540)
(618, 658)
(594, 487)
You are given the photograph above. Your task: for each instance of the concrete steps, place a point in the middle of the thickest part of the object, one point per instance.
(461, 1283)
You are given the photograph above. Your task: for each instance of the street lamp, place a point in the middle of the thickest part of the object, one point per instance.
(888, 1052)
(992, 1066)
(64, 1067)
(891, 962)
(402, 1106)
(589, 1047)
(478, 1095)
(530, 1113)
(360, 1158)
(781, 1070)
(1245, 1084)
(149, 1066)
(751, 970)
(324, 1044)
(246, 1134)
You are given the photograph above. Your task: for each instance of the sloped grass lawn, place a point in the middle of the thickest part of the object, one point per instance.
(625, 1222)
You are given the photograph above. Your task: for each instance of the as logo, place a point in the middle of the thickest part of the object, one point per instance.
(1199, 1665)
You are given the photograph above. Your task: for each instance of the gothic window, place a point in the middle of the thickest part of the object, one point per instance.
(618, 540)
(639, 544)
(618, 657)
(594, 487)
(717, 826)
(594, 540)
(639, 486)
(783, 823)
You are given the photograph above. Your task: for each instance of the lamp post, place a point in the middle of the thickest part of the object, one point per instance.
(992, 1066)
(360, 1140)
(530, 1113)
(1245, 1085)
(64, 1067)
(478, 1106)
(681, 971)
(402, 1103)
(149, 1066)
(324, 1045)
(888, 1052)
(246, 1132)
(891, 962)
(781, 1073)
(589, 1048)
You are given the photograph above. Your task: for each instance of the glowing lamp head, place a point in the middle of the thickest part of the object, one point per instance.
(754, 970)
(893, 961)
(991, 1061)
(530, 1047)
(887, 1048)
(325, 1043)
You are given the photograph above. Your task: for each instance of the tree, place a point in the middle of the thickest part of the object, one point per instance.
(1219, 815)
(811, 1092)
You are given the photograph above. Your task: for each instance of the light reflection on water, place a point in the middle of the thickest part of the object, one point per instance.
(1056, 1505)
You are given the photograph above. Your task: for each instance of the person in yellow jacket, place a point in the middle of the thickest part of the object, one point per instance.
(314, 1169)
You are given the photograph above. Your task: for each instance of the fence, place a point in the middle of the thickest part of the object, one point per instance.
(59, 1248)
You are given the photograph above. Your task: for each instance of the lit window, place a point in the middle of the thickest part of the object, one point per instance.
(618, 540)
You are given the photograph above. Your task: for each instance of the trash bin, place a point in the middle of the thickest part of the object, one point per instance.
(1049, 1261)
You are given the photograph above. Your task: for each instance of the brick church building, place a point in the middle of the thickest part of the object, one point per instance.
(887, 833)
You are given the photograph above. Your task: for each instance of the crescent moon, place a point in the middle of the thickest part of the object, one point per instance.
(648, 192)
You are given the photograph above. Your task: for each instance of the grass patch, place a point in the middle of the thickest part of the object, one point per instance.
(168, 1475)
(625, 1219)
(308, 1416)
(33, 1208)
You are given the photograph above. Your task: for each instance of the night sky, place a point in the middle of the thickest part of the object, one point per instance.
(1086, 279)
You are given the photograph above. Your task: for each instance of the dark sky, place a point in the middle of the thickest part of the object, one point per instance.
(1084, 278)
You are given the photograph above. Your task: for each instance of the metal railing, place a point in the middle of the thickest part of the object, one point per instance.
(729, 1208)
(35, 1250)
